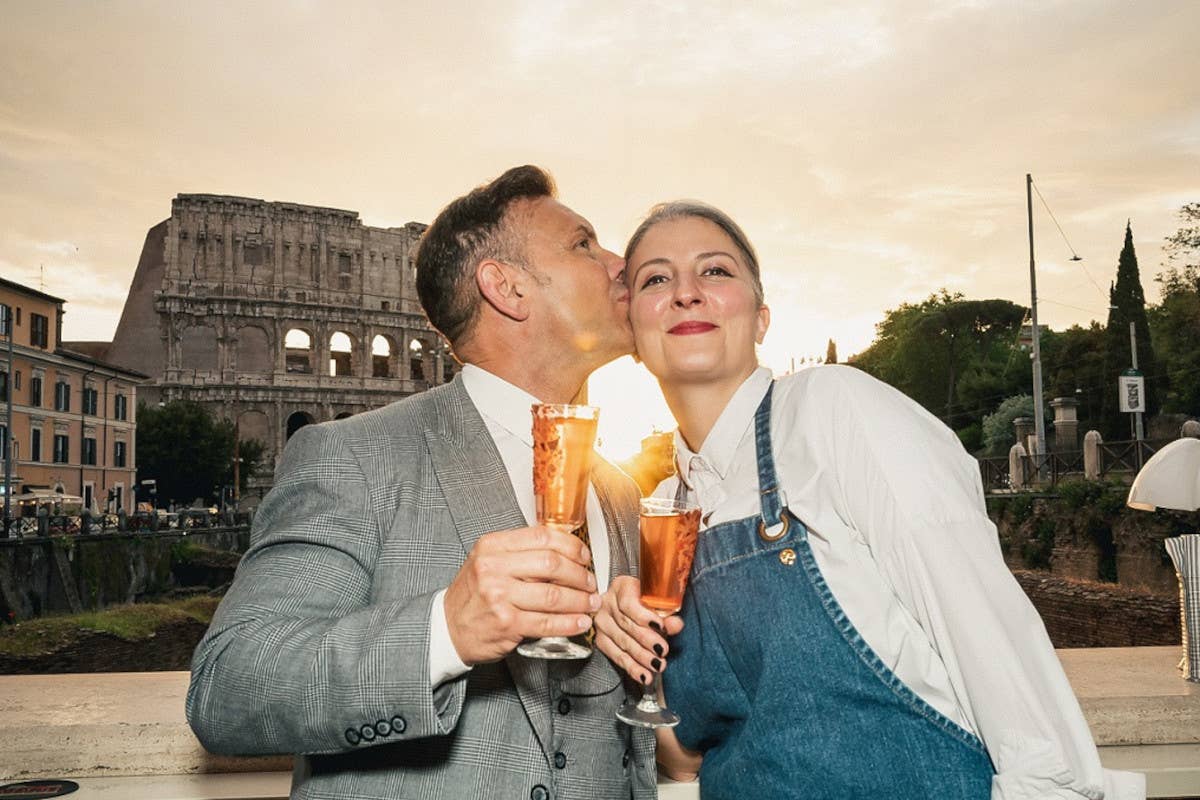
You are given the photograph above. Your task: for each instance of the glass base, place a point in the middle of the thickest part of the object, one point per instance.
(553, 647)
(647, 714)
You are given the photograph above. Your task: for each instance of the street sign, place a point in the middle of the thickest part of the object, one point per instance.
(1131, 389)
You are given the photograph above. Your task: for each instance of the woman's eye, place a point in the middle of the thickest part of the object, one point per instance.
(586, 244)
(654, 280)
(717, 269)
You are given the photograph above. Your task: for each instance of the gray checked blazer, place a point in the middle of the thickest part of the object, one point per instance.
(321, 646)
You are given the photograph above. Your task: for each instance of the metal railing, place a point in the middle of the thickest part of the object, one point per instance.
(1115, 460)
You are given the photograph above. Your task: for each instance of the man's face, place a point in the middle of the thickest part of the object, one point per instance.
(579, 295)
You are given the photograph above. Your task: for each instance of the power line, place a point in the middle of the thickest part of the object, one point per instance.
(1074, 256)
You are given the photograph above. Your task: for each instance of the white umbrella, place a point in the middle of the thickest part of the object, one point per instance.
(1170, 479)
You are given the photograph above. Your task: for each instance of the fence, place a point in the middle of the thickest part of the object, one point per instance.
(142, 521)
(1113, 460)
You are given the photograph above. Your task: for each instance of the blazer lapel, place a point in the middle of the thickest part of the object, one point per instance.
(479, 497)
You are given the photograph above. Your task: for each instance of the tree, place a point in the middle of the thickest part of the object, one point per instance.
(831, 352)
(1127, 303)
(1073, 366)
(188, 452)
(998, 431)
(1175, 322)
(952, 355)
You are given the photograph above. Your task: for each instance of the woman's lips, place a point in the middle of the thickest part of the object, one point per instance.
(685, 328)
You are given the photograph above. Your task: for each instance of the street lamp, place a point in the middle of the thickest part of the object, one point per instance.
(1171, 479)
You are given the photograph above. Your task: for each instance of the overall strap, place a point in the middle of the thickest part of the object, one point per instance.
(768, 483)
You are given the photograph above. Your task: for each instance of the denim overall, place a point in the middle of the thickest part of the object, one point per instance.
(781, 693)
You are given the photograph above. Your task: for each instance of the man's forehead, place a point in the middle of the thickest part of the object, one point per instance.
(548, 215)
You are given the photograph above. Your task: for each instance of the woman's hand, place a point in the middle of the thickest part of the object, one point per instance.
(631, 635)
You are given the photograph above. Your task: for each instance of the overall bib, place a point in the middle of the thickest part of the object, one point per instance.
(780, 692)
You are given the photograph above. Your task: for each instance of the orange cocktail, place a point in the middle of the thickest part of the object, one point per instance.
(563, 436)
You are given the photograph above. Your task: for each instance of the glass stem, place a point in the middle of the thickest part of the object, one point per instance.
(652, 694)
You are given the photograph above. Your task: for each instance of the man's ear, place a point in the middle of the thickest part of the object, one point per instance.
(503, 286)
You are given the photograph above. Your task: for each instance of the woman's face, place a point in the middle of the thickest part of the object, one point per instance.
(695, 318)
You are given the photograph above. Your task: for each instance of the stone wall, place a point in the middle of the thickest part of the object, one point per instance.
(1084, 531)
(1089, 614)
(49, 575)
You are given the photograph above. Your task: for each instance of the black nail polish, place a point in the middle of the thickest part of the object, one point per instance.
(658, 649)
(656, 625)
(657, 664)
(645, 679)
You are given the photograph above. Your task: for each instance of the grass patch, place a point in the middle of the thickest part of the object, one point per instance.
(129, 622)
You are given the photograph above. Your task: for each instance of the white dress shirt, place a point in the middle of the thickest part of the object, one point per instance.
(897, 523)
(506, 413)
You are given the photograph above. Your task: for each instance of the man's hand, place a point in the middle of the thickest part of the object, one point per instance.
(519, 584)
(631, 635)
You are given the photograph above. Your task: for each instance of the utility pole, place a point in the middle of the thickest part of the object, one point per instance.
(1039, 417)
(1138, 432)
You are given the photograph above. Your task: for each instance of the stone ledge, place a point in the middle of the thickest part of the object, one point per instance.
(124, 734)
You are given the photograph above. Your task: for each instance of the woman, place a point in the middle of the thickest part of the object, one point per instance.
(850, 629)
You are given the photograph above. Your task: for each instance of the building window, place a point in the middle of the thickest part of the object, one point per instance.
(90, 397)
(39, 330)
(35, 392)
(17, 381)
(6, 322)
(61, 447)
(62, 396)
(4, 386)
(118, 454)
(89, 451)
(3, 443)
(120, 407)
(35, 444)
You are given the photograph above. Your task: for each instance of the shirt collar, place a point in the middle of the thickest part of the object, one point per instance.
(498, 400)
(727, 432)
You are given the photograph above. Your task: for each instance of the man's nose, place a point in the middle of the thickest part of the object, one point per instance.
(614, 264)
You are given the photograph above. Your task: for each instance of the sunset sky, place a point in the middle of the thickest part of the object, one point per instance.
(874, 152)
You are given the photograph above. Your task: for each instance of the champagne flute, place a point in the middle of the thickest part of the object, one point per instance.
(563, 436)
(669, 529)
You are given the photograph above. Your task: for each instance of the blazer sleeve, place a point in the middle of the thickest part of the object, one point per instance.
(298, 659)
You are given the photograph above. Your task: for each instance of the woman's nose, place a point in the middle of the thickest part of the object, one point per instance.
(686, 293)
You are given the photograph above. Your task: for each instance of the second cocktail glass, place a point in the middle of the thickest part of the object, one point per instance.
(669, 529)
(563, 436)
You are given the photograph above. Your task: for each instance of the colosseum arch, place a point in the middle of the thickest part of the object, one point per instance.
(198, 348)
(420, 360)
(298, 420)
(383, 356)
(342, 360)
(298, 351)
(254, 351)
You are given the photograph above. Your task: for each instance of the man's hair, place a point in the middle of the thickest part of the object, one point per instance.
(470, 229)
(682, 209)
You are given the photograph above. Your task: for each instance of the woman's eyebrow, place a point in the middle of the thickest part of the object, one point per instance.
(715, 253)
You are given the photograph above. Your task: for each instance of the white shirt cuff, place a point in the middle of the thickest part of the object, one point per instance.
(444, 663)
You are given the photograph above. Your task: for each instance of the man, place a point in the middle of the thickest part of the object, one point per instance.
(394, 569)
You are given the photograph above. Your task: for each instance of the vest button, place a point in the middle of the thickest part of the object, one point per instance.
(564, 706)
(539, 793)
(560, 760)
(787, 556)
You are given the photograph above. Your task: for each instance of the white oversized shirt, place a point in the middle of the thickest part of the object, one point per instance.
(897, 523)
(506, 413)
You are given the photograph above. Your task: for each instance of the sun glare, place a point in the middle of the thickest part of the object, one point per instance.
(631, 408)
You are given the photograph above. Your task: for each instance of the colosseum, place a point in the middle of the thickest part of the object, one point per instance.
(276, 315)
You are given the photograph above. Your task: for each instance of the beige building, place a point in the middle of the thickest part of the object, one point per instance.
(275, 315)
(73, 416)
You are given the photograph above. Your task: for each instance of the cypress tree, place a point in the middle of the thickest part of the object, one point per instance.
(1127, 303)
(831, 352)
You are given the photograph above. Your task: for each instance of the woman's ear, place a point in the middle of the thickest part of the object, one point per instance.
(764, 322)
(503, 287)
